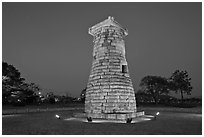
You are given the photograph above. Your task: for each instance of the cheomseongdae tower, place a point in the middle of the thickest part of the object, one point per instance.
(110, 92)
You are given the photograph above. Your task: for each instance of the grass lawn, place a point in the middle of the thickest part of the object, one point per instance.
(167, 123)
(9, 109)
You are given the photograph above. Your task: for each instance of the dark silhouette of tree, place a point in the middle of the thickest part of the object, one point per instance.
(51, 97)
(11, 80)
(83, 95)
(155, 86)
(14, 86)
(31, 92)
(11, 75)
(180, 82)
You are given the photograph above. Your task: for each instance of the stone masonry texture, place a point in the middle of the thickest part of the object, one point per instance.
(109, 88)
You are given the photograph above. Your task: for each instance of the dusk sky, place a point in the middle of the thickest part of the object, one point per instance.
(50, 45)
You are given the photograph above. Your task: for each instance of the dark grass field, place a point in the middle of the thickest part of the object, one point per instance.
(169, 122)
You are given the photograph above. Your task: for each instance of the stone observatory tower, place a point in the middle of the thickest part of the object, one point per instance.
(110, 92)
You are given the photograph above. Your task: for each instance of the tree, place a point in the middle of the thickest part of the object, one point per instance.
(83, 95)
(50, 97)
(180, 82)
(11, 76)
(155, 86)
(14, 86)
(30, 91)
(11, 80)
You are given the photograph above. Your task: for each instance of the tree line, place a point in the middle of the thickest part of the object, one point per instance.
(16, 91)
(156, 86)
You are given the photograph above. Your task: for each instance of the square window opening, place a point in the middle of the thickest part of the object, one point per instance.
(124, 68)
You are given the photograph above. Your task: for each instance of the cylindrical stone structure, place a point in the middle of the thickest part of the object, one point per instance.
(110, 92)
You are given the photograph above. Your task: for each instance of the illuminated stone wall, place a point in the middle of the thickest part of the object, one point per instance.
(109, 89)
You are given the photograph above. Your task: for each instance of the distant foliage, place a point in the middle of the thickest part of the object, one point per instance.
(11, 75)
(180, 82)
(83, 95)
(14, 88)
(155, 89)
(155, 86)
(11, 80)
(144, 98)
(51, 97)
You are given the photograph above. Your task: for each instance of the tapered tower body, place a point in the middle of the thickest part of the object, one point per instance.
(110, 92)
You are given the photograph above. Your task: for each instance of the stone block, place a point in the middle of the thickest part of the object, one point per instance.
(111, 116)
(121, 116)
(98, 97)
(98, 101)
(104, 82)
(123, 97)
(105, 70)
(103, 87)
(96, 77)
(111, 97)
(112, 101)
(109, 104)
(96, 87)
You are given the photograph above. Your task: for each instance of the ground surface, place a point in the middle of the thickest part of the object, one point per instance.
(175, 122)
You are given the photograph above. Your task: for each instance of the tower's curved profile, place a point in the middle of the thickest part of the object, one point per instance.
(110, 92)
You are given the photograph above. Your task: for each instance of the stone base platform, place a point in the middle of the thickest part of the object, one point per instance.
(113, 118)
(110, 116)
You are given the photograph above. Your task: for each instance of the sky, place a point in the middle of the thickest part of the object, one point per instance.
(50, 45)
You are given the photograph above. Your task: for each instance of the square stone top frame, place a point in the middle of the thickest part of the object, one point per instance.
(108, 22)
